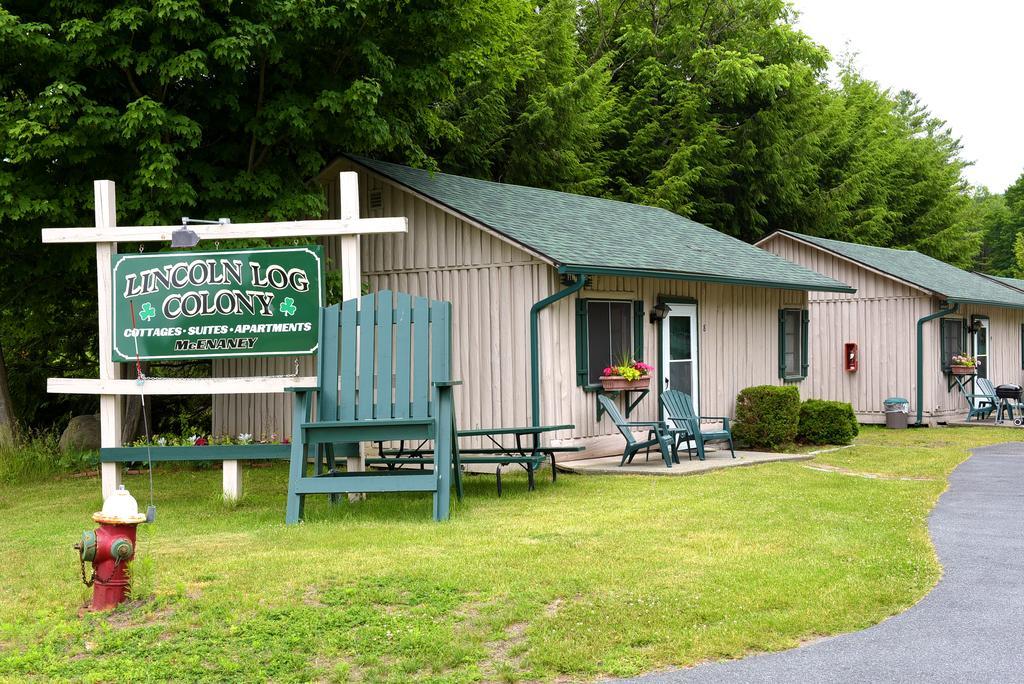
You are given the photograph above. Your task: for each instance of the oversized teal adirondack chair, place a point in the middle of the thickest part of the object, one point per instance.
(383, 373)
(658, 433)
(680, 414)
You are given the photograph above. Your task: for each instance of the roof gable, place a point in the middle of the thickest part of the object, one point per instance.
(582, 234)
(920, 270)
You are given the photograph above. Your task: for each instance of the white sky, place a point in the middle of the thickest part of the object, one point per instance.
(962, 57)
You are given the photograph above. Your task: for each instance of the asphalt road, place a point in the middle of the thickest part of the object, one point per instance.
(970, 628)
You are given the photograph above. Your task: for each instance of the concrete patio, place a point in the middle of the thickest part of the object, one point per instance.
(715, 460)
(990, 422)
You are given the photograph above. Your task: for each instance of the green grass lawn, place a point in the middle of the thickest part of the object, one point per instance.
(590, 576)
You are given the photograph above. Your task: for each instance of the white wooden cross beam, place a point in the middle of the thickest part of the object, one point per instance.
(111, 387)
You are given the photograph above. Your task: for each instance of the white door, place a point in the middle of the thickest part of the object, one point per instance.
(679, 350)
(981, 346)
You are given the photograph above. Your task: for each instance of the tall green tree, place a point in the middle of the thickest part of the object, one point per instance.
(547, 121)
(1000, 220)
(707, 95)
(998, 229)
(217, 108)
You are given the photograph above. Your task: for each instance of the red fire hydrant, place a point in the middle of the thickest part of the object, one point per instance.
(110, 548)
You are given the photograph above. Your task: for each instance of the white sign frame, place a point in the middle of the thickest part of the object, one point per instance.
(111, 387)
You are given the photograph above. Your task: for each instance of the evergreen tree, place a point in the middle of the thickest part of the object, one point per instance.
(546, 125)
(998, 231)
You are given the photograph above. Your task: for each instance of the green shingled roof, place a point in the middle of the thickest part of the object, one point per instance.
(581, 234)
(947, 281)
(1012, 282)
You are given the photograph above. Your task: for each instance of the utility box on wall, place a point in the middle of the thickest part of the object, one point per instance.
(850, 357)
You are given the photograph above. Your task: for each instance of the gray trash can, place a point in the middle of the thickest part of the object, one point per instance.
(896, 412)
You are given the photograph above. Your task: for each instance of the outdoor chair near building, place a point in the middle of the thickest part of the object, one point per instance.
(657, 433)
(680, 414)
(983, 401)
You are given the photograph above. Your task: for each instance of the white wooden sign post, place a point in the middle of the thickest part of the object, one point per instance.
(111, 387)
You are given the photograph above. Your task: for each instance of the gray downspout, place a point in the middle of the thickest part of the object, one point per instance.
(920, 355)
(535, 310)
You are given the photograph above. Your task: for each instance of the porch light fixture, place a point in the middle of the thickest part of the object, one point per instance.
(659, 312)
(186, 238)
(974, 327)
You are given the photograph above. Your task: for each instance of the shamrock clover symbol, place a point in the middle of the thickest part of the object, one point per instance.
(288, 306)
(147, 312)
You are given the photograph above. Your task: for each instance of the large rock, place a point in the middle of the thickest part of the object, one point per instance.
(81, 434)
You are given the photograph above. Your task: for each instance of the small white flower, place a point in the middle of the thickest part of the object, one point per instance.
(245, 437)
(162, 441)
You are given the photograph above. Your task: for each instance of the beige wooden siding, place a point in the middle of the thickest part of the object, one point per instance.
(737, 330)
(492, 285)
(1004, 356)
(881, 317)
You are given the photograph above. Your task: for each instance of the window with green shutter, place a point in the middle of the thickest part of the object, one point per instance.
(606, 332)
(952, 340)
(793, 341)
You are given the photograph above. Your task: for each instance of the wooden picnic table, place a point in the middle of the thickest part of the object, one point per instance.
(528, 455)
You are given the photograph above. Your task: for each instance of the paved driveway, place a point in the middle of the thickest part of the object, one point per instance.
(970, 628)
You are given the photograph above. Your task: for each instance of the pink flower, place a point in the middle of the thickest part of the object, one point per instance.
(609, 371)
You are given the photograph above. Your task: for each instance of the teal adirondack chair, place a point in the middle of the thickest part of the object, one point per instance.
(984, 401)
(680, 414)
(657, 433)
(383, 373)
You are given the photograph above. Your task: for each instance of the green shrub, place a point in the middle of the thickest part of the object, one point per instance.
(827, 422)
(767, 416)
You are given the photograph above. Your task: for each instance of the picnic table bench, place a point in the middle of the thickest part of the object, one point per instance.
(529, 456)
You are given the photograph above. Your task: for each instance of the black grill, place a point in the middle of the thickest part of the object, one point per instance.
(1009, 391)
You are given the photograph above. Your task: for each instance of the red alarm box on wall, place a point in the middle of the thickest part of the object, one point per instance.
(850, 357)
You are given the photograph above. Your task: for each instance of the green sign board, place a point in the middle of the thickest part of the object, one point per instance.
(202, 305)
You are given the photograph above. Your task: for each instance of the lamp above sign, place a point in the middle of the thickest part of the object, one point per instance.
(199, 305)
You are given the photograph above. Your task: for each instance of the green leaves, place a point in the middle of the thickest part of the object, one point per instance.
(716, 110)
(209, 109)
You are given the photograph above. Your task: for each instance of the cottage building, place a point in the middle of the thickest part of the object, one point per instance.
(548, 288)
(909, 316)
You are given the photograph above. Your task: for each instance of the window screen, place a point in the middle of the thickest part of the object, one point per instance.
(793, 355)
(609, 335)
(953, 340)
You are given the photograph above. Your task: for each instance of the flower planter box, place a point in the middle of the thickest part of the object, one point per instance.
(963, 370)
(614, 383)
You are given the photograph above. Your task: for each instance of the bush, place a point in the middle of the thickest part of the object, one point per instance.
(767, 416)
(827, 422)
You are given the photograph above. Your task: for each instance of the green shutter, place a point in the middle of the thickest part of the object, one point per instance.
(805, 321)
(782, 343)
(638, 330)
(582, 368)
